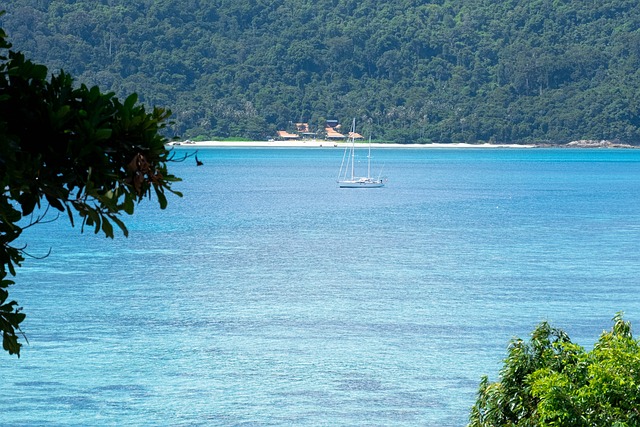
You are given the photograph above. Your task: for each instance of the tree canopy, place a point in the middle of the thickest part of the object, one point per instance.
(550, 381)
(408, 70)
(69, 149)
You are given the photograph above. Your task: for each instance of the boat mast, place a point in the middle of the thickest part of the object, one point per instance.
(369, 158)
(353, 147)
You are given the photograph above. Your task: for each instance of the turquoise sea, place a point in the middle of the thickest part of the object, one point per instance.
(267, 296)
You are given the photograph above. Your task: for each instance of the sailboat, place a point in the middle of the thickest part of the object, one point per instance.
(348, 164)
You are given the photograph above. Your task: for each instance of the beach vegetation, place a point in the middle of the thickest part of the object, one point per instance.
(551, 381)
(409, 71)
(72, 151)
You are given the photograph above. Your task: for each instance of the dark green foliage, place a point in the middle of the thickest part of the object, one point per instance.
(410, 71)
(68, 149)
(10, 318)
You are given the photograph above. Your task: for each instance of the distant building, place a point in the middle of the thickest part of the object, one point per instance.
(302, 127)
(283, 134)
(333, 134)
(330, 123)
(304, 131)
(331, 129)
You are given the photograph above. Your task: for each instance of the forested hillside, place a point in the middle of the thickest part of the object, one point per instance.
(408, 70)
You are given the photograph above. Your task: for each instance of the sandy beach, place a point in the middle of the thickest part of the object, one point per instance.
(332, 144)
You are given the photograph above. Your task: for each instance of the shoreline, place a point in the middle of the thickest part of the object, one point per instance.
(333, 144)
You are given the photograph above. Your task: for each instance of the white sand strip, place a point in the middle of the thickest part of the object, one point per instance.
(332, 144)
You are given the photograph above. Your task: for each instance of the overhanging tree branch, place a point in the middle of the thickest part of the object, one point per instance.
(75, 149)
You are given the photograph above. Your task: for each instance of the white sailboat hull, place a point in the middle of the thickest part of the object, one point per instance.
(361, 183)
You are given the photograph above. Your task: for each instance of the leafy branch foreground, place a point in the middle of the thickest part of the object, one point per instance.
(71, 149)
(550, 381)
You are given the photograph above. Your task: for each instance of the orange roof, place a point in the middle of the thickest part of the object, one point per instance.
(285, 134)
(355, 135)
(333, 134)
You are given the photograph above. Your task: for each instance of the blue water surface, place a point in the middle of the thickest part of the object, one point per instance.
(267, 296)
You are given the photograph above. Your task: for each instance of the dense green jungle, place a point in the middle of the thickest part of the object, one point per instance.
(409, 71)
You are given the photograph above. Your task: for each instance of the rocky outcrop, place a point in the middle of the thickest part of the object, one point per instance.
(589, 143)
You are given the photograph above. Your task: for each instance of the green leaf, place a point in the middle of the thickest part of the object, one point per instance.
(107, 228)
(102, 134)
(130, 101)
(60, 114)
(10, 343)
(93, 219)
(39, 72)
(70, 214)
(128, 205)
(54, 202)
(162, 199)
(121, 225)
(27, 203)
